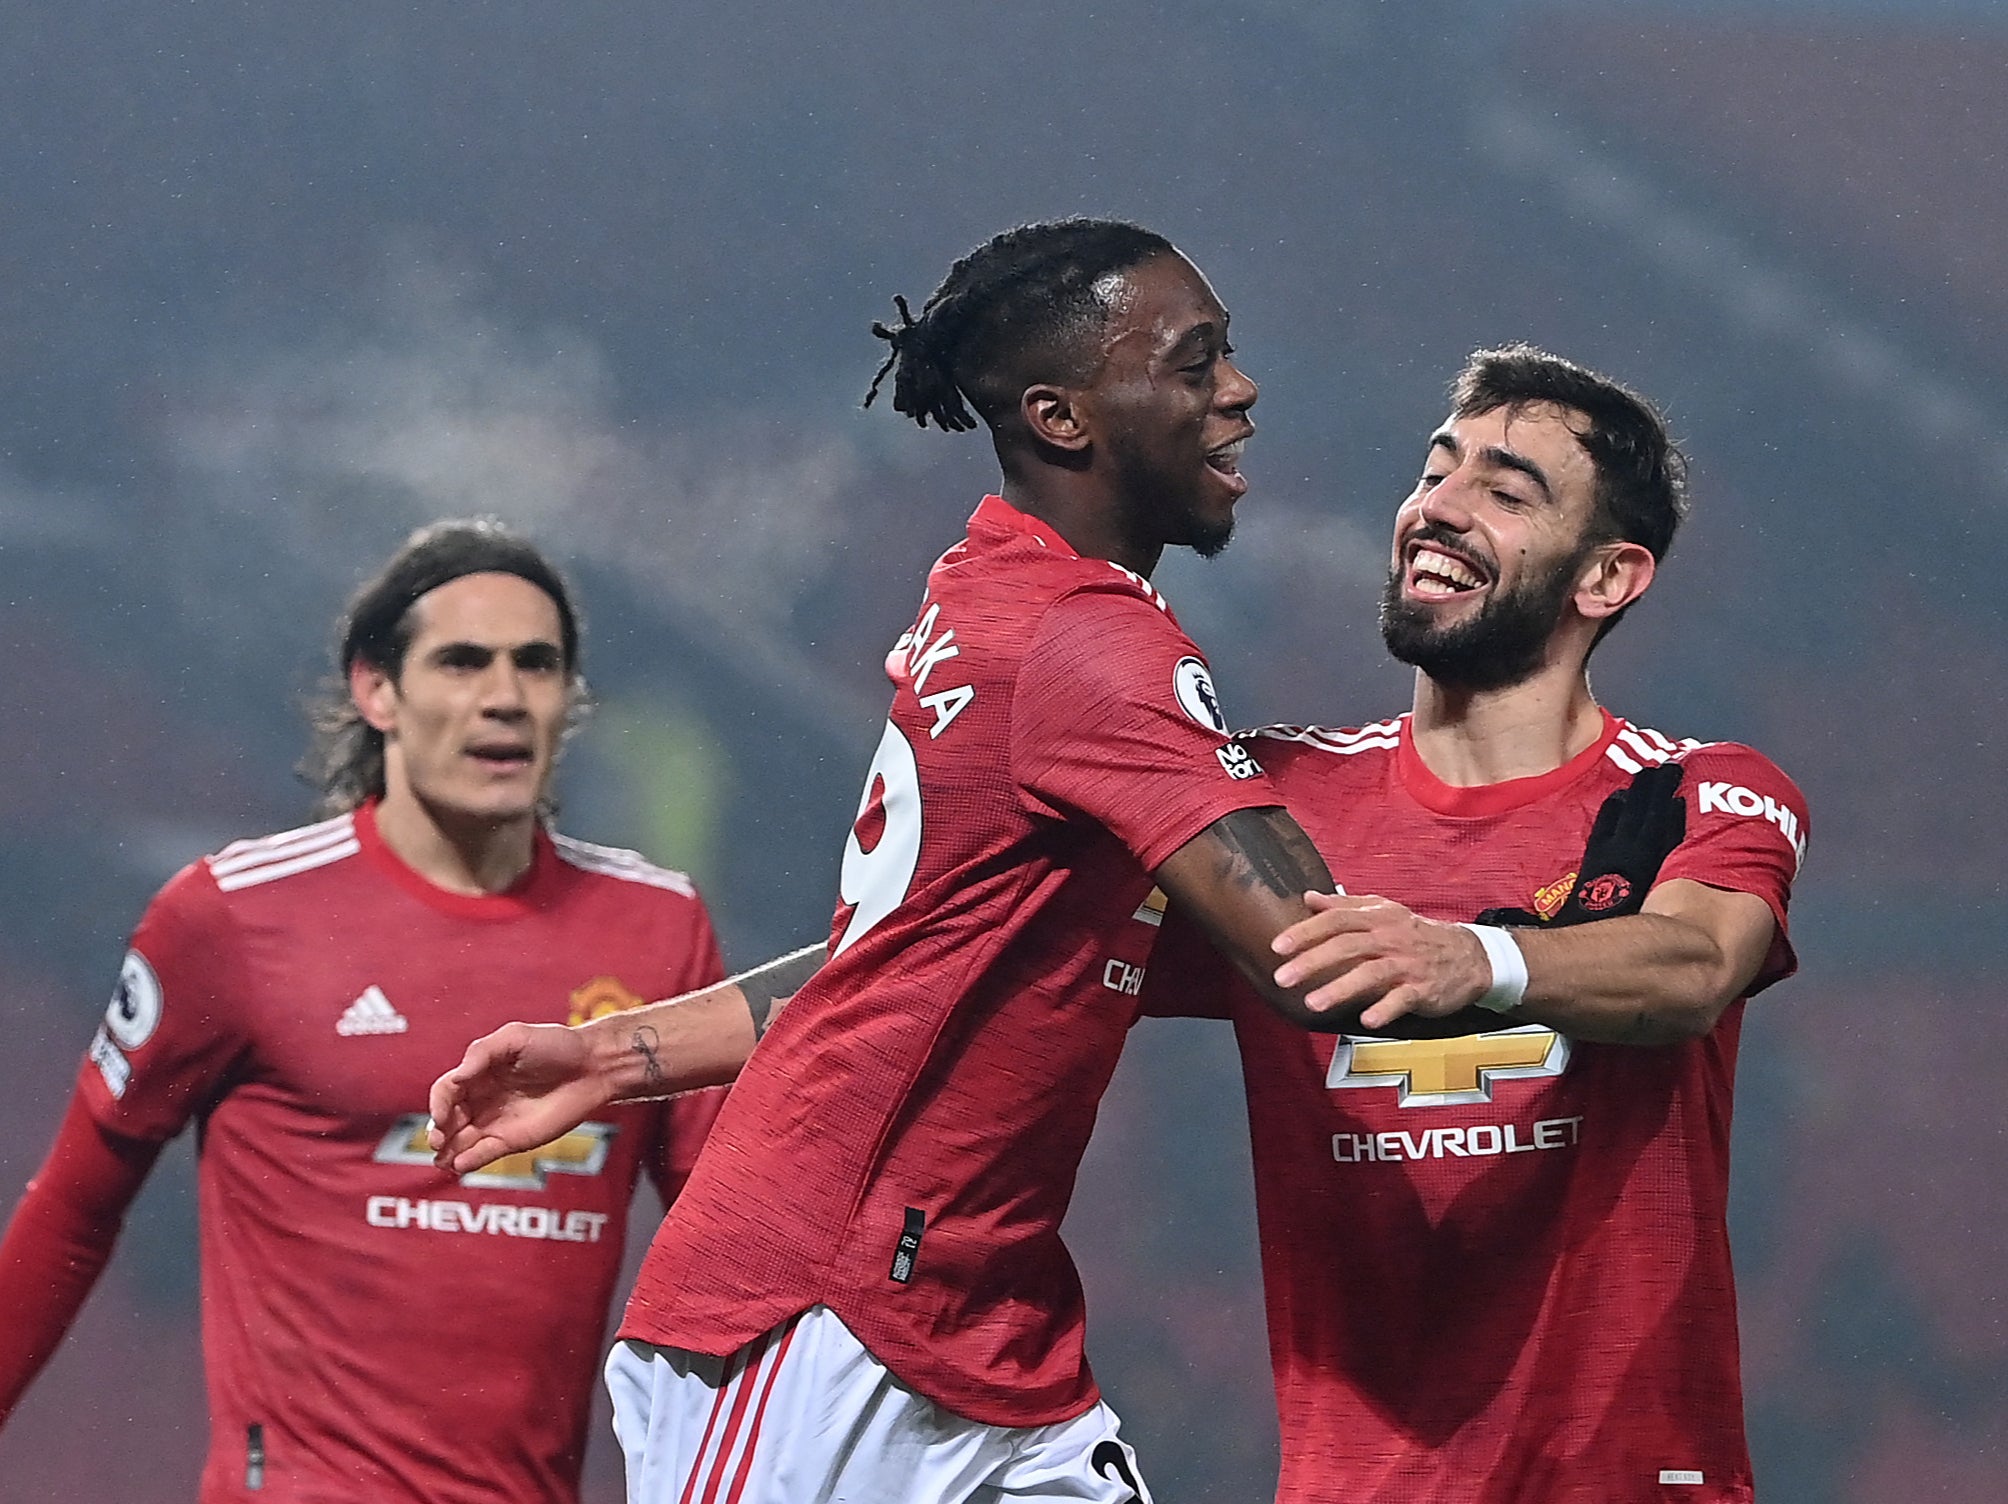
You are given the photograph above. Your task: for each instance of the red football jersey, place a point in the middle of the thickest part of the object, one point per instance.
(902, 1144)
(1497, 1268)
(372, 1329)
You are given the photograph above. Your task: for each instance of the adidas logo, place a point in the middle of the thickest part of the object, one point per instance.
(371, 1014)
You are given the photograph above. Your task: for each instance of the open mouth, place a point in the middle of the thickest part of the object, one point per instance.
(501, 758)
(1225, 461)
(1434, 574)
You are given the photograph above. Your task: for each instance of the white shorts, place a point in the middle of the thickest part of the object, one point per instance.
(804, 1415)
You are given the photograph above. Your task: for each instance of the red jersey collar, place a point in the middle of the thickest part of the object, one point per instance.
(512, 903)
(1432, 793)
(995, 512)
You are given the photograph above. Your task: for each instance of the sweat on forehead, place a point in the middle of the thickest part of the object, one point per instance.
(1112, 289)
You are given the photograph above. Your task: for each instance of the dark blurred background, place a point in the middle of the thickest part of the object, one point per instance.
(278, 283)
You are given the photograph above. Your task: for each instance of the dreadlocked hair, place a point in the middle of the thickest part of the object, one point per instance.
(1011, 312)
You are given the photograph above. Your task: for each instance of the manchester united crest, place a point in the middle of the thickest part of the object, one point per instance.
(599, 997)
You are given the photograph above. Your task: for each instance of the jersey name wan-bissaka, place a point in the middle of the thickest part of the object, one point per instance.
(923, 652)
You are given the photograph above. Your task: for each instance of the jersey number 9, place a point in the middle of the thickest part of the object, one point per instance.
(876, 876)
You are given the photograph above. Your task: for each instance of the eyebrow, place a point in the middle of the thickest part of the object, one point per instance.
(1493, 454)
(514, 650)
(1197, 337)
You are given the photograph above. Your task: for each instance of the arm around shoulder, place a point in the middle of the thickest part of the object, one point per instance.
(1660, 976)
(1242, 881)
(1711, 929)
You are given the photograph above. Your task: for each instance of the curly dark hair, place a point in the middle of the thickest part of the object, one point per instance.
(1641, 473)
(345, 761)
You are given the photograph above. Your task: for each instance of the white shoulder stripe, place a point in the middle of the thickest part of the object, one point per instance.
(1639, 747)
(251, 877)
(1380, 736)
(1149, 590)
(614, 861)
(1380, 729)
(1635, 748)
(241, 854)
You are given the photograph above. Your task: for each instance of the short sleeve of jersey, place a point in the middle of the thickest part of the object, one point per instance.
(1187, 976)
(1746, 832)
(176, 1027)
(1107, 723)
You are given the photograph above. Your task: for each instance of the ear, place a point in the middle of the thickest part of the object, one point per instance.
(1614, 576)
(374, 693)
(1053, 416)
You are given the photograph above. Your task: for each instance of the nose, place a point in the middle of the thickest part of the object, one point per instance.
(1447, 503)
(502, 693)
(1235, 392)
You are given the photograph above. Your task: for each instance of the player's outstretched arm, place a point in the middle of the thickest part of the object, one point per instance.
(526, 1084)
(1247, 880)
(58, 1240)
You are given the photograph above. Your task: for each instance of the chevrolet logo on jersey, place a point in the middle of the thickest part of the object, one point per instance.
(598, 998)
(1448, 1072)
(583, 1151)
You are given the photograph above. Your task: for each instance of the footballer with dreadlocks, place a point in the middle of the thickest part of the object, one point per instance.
(863, 1293)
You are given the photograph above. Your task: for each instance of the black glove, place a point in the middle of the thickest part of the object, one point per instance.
(1635, 831)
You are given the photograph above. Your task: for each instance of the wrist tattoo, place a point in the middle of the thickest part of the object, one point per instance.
(646, 1043)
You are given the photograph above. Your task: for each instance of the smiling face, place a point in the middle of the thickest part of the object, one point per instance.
(1169, 407)
(1495, 547)
(473, 717)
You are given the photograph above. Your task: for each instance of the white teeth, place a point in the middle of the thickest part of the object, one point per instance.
(1429, 562)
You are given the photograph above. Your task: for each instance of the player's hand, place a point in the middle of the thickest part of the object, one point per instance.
(515, 1089)
(1362, 951)
(1635, 831)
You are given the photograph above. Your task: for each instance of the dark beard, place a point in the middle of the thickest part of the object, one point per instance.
(1501, 646)
(1205, 539)
(1161, 511)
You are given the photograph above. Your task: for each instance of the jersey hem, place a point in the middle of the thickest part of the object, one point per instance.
(966, 1403)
